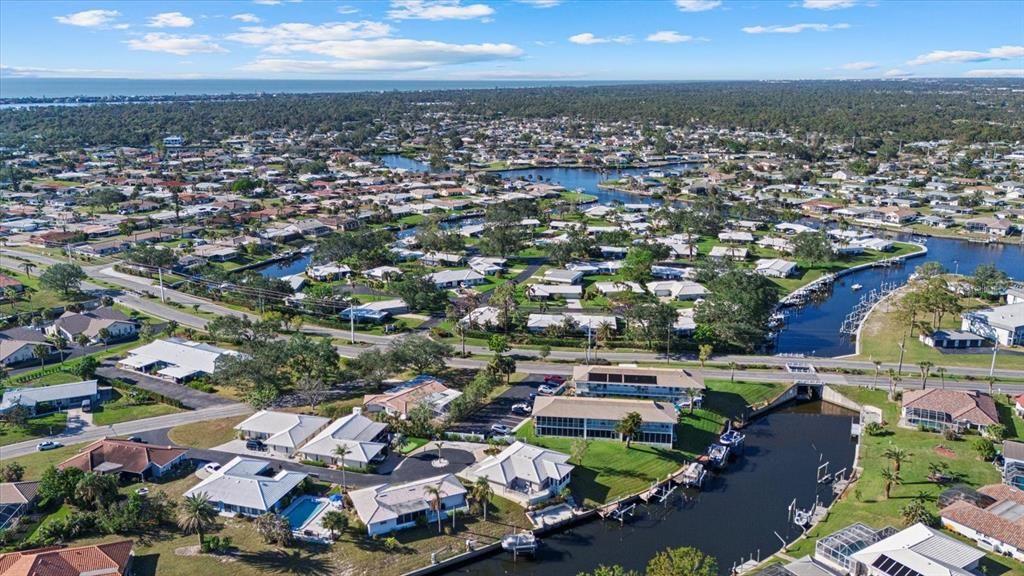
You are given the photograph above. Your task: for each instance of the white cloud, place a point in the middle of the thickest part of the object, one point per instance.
(794, 28)
(897, 73)
(999, 53)
(299, 32)
(669, 37)
(89, 18)
(383, 54)
(437, 10)
(246, 17)
(697, 5)
(36, 72)
(541, 3)
(170, 20)
(996, 73)
(346, 9)
(586, 38)
(172, 44)
(859, 66)
(266, 2)
(828, 4)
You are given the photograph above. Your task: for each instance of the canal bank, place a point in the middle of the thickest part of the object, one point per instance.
(780, 464)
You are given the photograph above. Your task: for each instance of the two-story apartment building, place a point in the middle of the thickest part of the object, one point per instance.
(597, 418)
(670, 385)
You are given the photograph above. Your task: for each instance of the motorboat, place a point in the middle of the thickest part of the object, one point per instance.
(520, 543)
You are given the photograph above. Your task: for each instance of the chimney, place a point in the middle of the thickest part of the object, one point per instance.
(357, 410)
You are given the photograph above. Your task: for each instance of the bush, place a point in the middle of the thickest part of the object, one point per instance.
(985, 448)
(316, 463)
(873, 429)
(950, 434)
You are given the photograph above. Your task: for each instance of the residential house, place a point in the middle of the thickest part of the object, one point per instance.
(366, 441)
(597, 418)
(16, 500)
(1002, 323)
(282, 432)
(8, 283)
(670, 385)
(719, 252)
(442, 259)
(377, 311)
(776, 268)
(108, 559)
(1013, 459)
(917, 550)
(937, 409)
(244, 486)
(560, 276)
(386, 508)
(19, 347)
(990, 226)
(677, 289)
(111, 456)
(523, 473)
(952, 339)
(572, 321)
(46, 399)
(117, 325)
(992, 516)
(422, 390)
(448, 279)
(175, 359)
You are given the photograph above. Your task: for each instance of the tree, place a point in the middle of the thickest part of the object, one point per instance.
(434, 494)
(579, 450)
(926, 368)
(481, 492)
(334, 520)
(94, 491)
(373, 365)
(313, 389)
(929, 269)
(985, 448)
(917, 512)
(941, 371)
(504, 299)
(274, 529)
(813, 247)
(58, 485)
(613, 570)
(498, 344)
(420, 293)
(996, 432)
(503, 234)
(704, 353)
(420, 354)
(104, 335)
(630, 426)
(28, 267)
(42, 352)
(64, 278)
(738, 308)
(340, 452)
(890, 478)
(637, 266)
(86, 368)
(897, 456)
(990, 281)
(12, 471)
(685, 561)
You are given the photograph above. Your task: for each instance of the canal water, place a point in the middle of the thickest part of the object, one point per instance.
(289, 267)
(737, 517)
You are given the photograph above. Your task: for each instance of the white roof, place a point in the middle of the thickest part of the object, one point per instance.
(385, 502)
(1010, 316)
(41, 394)
(542, 321)
(924, 550)
(192, 356)
(524, 462)
(283, 428)
(238, 483)
(775, 264)
(483, 316)
(448, 276)
(619, 286)
(354, 431)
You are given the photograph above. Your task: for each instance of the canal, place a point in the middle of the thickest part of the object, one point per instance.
(736, 517)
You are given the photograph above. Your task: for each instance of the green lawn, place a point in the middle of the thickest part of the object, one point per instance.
(36, 462)
(120, 410)
(34, 298)
(411, 444)
(609, 470)
(51, 379)
(35, 428)
(881, 335)
(866, 501)
(206, 434)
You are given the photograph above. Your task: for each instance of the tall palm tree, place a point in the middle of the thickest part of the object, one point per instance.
(11, 296)
(434, 492)
(926, 369)
(891, 479)
(196, 514)
(898, 456)
(481, 492)
(104, 335)
(941, 371)
(41, 351)
(732, 371)
(340, 451)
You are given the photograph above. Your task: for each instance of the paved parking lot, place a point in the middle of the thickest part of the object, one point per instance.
(500, 410)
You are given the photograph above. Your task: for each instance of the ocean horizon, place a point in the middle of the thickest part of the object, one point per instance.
(125, 87)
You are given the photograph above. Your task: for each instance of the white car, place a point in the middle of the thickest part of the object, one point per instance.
(521, 408)
(501, 430)
(211, 467)
(48, 445)
(545, 390)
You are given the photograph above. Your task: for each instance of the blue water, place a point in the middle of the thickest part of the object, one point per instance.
(400, 162)
(102, 87)
(304, 511)
(287, 267)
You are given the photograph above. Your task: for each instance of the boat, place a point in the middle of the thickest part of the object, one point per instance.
(732, 438)
(718, 455)
(694, 475)
(520, 543)
(856, 287)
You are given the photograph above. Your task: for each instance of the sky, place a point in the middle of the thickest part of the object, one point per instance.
(513, 39)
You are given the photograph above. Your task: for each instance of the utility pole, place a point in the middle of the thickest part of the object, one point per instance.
(588, 341)
(163, 295)
(995, 350)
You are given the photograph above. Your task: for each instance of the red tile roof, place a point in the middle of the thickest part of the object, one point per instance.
(134, 457)
(985, 521)
(972, 406)
(110, 559)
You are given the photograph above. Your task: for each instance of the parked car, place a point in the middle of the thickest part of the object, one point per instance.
(86, 405)
(255, 445)
(545, 390)
(501, 430)
(212, 467)
(554, 379)
(531, 398)
(48, 445)
(142, 491)
(521, 408)
(136, 439)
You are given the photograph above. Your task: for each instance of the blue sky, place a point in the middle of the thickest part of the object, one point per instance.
(513, 39)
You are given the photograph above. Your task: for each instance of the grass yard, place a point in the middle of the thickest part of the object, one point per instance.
(34, 428)
(206, 434)
(881, 335)
(411, 444)
(120, 410)
(866, 501)
(51, 379)
(37, 462)
(609, 470)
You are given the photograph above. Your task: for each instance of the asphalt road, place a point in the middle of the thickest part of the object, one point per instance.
(191, 398)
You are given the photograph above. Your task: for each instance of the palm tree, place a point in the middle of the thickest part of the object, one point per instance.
(926, 368)
(196, 514)
(82, 340)
(103, 335)
(630, 426)
(340, 451)
(11, 296)
(41, 351)
(434, 492)
(335, 521)
(481, 492)
(704, 353)
(941, 371)
(898, 456)
(732, 371)
(60, 342)
(891, 479)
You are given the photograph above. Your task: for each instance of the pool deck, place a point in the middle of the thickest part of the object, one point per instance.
(312, 529)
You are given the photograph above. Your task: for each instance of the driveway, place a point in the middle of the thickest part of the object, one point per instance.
(499, 411)
(189, 397)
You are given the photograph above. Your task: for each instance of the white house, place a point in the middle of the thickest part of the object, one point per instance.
(917, 550)
(1002, 323)
(282, 432)
(524, 473)
(581, 322)
(175, 359)
(456, 278)
(561, 276)
(386, 508)
(365, 440)
(241, 487)
(775, 267)
(993, 517)
(57, 396)
(71, 325)
(677, 289)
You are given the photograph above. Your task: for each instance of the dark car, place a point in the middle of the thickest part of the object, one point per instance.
(554, 379)
(255, 445)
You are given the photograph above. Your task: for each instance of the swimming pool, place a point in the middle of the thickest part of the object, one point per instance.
(303, 510)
